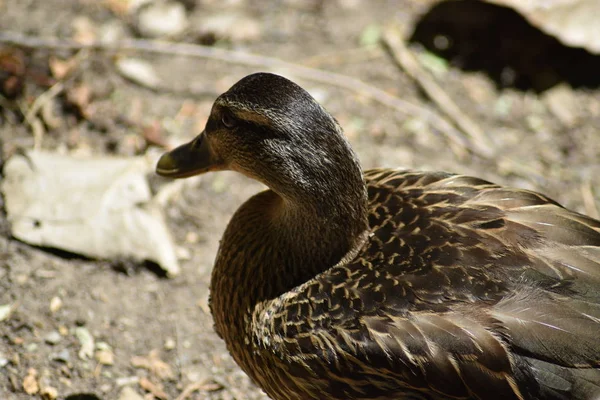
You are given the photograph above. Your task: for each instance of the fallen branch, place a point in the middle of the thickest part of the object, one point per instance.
(312, 74)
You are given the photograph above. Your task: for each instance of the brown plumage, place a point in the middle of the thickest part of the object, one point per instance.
(389, 284)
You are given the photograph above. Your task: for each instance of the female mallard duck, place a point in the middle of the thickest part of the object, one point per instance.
(389, 284)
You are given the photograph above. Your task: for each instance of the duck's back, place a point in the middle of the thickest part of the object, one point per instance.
(464, 289)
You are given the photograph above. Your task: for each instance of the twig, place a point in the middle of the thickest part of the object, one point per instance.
(589, 203)
(405, 60)
(192, 50)
(43, 98)
(31, 114)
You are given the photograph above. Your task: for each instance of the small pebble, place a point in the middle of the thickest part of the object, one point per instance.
(231, 26)
(62, 356)
(169, 344)
(49, 393)
(129, 393)
(87, 343)
(105, 357)
(128, 380)
(106, 388)
(55, 304)
(3, 362)
(162, 19)
(53, 338)
(5, 311)
(31, 347)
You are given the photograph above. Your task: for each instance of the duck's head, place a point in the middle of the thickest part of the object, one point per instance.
(270, 129)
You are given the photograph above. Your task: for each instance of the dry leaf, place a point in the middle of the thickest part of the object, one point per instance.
(573, 22)
(80, 96)
(12, 71)
(156, 390)
(154, 364)
(30, 383)
(61, 68)
(98, 207)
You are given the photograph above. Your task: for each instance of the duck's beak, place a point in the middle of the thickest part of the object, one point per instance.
(189, 159)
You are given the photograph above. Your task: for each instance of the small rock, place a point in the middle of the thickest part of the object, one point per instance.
(5, 311)
(562, 102)
(192, 237)
(103, 346)
(183, 253)
(107, 387)
(127, 380)
(3, 361)
(170, 344)
(49, 393)
(87, 343)
(55, 304)
(112, 32)
(53, 338)
(231, 26)
(129, 394)
(162, 19)
(138, 71)
(62, 356)
(30, 383)
(31, 347)
(105, 357)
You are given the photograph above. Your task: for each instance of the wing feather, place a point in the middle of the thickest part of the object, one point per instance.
(465, 289)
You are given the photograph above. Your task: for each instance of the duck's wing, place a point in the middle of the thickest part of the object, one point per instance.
(464, 290)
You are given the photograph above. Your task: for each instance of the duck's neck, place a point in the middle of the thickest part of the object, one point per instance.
(279, 240)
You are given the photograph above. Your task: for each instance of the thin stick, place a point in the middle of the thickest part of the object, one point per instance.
(192, 50)
(406, 60)
(589, 203)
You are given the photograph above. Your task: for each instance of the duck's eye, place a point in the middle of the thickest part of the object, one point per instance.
(228, 120)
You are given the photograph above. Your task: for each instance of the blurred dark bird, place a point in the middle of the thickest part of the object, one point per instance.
(389, 284)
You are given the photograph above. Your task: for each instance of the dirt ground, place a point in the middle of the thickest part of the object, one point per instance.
(540, 110)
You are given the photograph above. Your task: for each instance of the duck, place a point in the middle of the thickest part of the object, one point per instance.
(339, 283)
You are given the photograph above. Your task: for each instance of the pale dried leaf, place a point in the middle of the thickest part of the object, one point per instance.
(154, 364)
(80, 96)
(61, 68)
(100, 207)
(573, 22)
